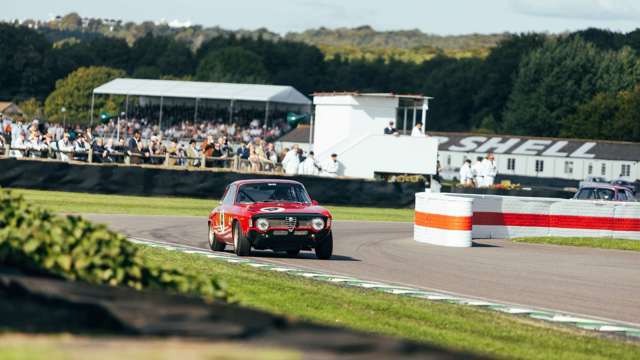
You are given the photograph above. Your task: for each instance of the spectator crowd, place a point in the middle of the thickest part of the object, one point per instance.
(205, 144)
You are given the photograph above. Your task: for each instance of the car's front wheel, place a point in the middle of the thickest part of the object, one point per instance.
(241, 244)
(214, 243)
(324, 249)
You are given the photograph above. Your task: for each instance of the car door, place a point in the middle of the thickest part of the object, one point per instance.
(223, 215)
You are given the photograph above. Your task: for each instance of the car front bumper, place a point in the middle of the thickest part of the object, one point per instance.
(282, 240)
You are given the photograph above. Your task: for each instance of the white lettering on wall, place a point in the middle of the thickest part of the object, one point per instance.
(468, 143)
(497, 146)
(582, 151)
(554, 150)
(531, 147)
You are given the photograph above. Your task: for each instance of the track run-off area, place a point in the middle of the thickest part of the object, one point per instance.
(600, 284)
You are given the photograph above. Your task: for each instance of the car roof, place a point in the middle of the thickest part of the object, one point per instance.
(596, 185)
(260, 181)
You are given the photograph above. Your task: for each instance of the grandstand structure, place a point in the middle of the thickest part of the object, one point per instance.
(196, 95)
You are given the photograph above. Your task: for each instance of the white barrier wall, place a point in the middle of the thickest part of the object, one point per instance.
(510, 216)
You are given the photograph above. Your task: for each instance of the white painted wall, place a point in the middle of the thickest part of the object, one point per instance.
(389, 154)
(349, 118)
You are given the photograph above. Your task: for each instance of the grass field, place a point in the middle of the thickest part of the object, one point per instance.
(451, 326)
(115, 204)
(601, 243)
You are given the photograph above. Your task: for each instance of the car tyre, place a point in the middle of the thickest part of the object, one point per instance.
(214, 244)
(241, 244)
(293, 253)
(324, 249)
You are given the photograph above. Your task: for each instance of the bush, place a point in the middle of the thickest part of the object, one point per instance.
(35, 240)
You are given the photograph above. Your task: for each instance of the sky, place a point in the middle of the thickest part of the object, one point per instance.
(444, 17)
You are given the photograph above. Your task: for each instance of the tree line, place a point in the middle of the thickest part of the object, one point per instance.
(583, 84)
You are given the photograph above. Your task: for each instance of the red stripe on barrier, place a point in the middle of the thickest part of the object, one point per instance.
(510, 219)
(556, 221)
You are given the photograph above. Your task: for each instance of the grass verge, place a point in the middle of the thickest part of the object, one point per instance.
(600, 243)
(139, 205)
(451, 326)
(62, 347)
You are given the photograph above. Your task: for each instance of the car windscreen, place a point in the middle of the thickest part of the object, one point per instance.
(586, 194)
(272, 192)
(605, 194)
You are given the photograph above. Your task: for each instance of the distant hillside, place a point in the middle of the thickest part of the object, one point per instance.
(361, 42)
(368, 41)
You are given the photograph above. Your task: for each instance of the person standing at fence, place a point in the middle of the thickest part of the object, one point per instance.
(64, 147)
(19, 144)
(291, 161)
(243, 152)
(193, 154)
(309, 166)
(390, 130)
(135, 148)
(99, 152)
(271, 153)
(80, 148)
(490, 170)
(478, 172)
(331, 167)
(417, 130)
(466, 175)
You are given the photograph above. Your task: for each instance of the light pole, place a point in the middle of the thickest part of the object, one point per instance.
(63, 110)
(122, 114)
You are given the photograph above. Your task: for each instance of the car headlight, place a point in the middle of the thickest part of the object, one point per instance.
(262, 224)
(317, 224)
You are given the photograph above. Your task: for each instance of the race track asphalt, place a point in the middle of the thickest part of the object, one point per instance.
(594, 282)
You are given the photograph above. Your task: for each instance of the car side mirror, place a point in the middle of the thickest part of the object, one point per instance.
(315, 203)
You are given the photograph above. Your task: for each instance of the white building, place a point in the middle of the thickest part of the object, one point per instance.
(547, 158)
(352, 126)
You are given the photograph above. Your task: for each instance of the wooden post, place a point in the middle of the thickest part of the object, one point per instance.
(90, 156)
(203, 159)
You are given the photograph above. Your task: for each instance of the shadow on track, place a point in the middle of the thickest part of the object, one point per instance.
(303, 255)
(477, 244)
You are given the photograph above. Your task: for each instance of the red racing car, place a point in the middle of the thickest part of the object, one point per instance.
(270, 214)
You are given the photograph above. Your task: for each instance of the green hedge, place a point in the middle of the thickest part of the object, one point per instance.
(35, 240)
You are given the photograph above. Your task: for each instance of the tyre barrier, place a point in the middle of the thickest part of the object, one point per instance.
(438, 218)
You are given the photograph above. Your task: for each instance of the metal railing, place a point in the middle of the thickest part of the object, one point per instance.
(234, 162)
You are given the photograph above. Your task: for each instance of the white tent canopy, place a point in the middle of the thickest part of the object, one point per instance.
(203, 90)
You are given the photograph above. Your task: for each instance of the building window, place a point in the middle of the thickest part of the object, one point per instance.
(539, 165)
(568, 167)
(603, 169)
(590, 169)
(448, 160)
(511, 164)
(625, 170)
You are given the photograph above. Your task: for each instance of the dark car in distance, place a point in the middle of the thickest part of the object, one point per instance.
(607, 192)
